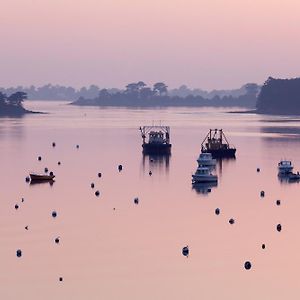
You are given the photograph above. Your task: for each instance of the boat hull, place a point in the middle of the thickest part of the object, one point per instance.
(153, 148)
(220, 153)
(36, 177)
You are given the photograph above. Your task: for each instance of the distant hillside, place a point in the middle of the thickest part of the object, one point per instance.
(140, 95)
(279, 96)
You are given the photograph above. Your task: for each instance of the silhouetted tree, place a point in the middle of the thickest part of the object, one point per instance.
(17, 98)
(146, 93)
(279, 96)
(132, 88)
(3, 98)
(161, 88)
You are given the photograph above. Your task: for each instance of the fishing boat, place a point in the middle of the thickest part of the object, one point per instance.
(42, 177)
(217, 144)
(285, 167)
(158, 139)
(294, 176)
(206, 160)
(203, 175)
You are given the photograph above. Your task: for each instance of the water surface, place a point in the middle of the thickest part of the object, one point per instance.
(113, 249)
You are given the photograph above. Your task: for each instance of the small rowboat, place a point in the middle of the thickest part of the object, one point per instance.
(42, 177)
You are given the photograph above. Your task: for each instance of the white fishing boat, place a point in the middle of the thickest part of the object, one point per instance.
(206, 160)
(203, 175)
(285, 167)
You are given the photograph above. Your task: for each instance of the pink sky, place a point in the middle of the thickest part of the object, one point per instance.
(207, 44)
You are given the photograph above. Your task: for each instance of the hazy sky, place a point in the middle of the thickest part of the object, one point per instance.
(208, 44)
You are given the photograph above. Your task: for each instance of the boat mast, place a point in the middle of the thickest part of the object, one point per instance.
(143, 133)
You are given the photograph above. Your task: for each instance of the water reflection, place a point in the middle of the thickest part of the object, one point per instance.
(11, 127)
(204, 188)
(223, 162)
(158, 162)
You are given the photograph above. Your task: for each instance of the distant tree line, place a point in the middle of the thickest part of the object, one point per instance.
(59, 92)
(13, 104)
(55, 92)
(140, 95)
(279, 96)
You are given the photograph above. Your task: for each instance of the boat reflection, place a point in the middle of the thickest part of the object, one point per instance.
(204, 188)
(158, 162)
(223, 162)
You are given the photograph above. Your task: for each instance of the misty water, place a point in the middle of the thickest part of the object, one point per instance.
(111, 248)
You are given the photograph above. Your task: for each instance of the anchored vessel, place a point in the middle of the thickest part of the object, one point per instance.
(217, 144)
(41, 177)
(158, 139)
(285, 167)
(206, 160)
(203, 175)
(285, 171)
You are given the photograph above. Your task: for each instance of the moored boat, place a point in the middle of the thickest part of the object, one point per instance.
(217, 144)
(203, 175)
(158, 139)
(206, 160)
(285, 167)
(41, 177)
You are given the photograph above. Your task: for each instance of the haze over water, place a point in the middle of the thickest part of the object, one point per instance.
(134, 251)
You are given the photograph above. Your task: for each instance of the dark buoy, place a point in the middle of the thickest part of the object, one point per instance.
(26, 227)
(120, 168)
(39, 158)
(217, 211)
(231, 221)
(97, 193)
(77, 146)
(247, 265)
(57, 240)
(54, 214)
(150, 173)
(51, 173)
(279, 227)
(99, 175)
(263, 246)
(258, 170)
(53, 144)
(262, 193)
(16, 206)
(19, 253)
(114, 208)
(185, 251)
(92, 185)
(61, 279)
(46, 170)
(136, 200)
(22, 200)
(278, 202)
(27, 179)
(59, 163)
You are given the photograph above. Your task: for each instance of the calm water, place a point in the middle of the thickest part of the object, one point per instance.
(134, 251)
